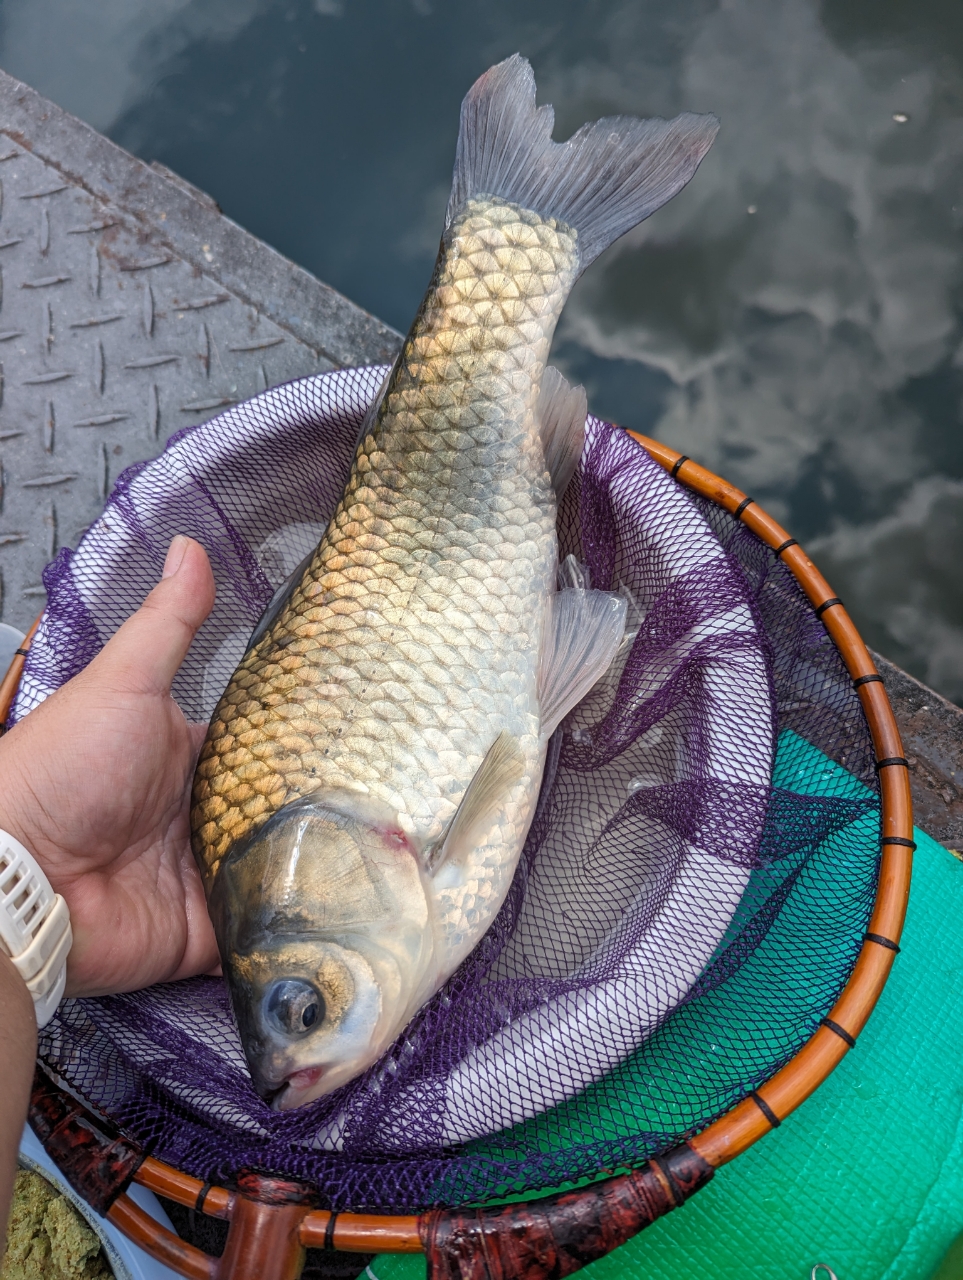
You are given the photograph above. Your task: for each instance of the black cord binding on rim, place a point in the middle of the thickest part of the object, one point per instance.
(201, 1197)
(21, 652)
(328, 1245)
(840, 1031)
(827, 604)
(861, 680)
(742, 506)
(683, 457)
(891, 760)
(878, 938)
(907, 844)
(790, 542)
(765, 1108)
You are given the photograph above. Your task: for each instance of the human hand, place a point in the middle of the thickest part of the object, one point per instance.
(97, 784)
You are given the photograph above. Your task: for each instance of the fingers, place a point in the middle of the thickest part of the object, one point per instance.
(145, 654)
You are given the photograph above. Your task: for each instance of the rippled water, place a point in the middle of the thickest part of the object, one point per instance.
(793, 320)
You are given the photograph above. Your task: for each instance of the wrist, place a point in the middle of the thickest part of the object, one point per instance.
(34, 926)
(15, 793)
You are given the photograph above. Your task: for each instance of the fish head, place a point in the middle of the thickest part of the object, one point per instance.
(322, 923)
(311, 1015)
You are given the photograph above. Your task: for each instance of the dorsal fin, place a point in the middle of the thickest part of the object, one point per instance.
(501, 768)
(561, 413)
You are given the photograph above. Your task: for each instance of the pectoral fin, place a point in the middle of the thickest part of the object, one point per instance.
(584, 632)
(502, 767)
(561, 413)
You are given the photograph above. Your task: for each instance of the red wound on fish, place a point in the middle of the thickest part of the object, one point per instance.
(395, 838)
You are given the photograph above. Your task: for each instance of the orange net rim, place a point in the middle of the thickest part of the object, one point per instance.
(765, 1107)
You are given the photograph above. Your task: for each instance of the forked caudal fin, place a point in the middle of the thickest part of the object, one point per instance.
(602, 182)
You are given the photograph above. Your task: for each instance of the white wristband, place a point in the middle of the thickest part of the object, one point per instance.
(34, 926)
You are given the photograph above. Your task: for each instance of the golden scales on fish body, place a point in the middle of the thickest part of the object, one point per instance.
(371, 771)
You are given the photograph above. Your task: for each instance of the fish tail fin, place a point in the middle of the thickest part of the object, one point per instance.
(608, 177)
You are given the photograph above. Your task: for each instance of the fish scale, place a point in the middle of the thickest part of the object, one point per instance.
(413, 638)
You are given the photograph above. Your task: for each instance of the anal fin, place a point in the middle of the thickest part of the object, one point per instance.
(584, 633)
(561, 413)
(501, 768)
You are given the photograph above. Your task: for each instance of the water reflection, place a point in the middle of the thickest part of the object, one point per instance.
(792, 319)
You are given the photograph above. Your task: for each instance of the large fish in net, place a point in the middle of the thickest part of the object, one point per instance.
(372, 769)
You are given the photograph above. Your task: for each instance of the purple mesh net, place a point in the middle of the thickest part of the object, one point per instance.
(679, 921)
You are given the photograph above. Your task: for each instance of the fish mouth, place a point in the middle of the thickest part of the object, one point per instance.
(304, 1079)
(289, 1094)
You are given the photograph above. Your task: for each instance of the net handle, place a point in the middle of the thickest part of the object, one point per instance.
(665, 1181)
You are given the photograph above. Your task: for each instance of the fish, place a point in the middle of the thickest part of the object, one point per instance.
(370, 773)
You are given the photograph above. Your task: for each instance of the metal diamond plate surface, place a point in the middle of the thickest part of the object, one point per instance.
(129, 308)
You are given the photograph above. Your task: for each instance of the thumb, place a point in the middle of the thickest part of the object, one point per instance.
(145, 654)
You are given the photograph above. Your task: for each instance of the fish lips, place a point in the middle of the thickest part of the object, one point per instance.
(282, 1087)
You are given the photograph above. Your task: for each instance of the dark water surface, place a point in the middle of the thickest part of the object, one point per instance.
(794, 319)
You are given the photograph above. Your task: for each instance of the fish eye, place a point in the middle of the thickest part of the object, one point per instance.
(294, 1006)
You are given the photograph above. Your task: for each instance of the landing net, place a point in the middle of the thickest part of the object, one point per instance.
(690, 900)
